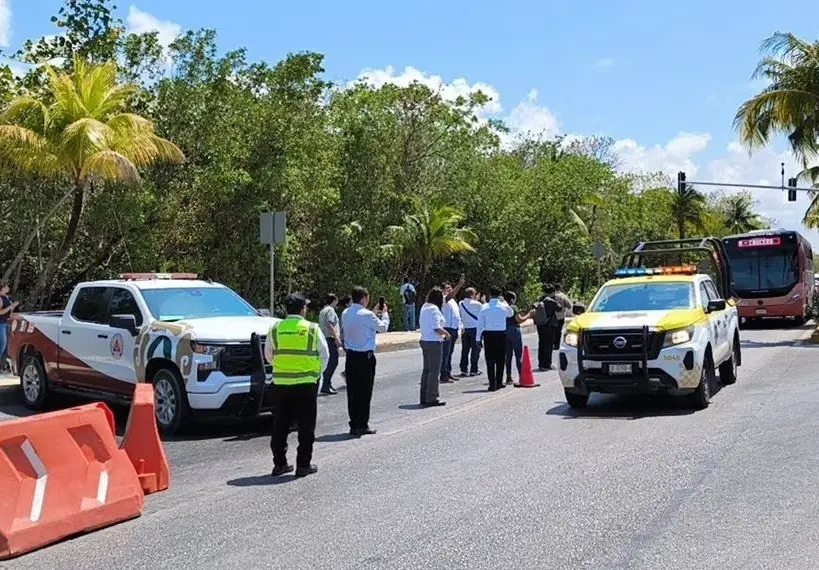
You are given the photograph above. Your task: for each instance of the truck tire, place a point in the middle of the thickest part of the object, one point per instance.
(576, 401)
(170, 400)
(701, 398)
(728, 369)
(33, 382)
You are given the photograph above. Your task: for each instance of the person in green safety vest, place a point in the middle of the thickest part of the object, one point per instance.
(298, 354)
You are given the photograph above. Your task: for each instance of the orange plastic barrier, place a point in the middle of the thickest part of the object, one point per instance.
(527, 377)
(142, 443)
(62, 474)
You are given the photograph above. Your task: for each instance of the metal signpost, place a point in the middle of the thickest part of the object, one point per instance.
(271, 232)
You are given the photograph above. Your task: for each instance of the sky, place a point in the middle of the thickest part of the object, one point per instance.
(664, 79)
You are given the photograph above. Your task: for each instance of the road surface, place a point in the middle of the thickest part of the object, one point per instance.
(512, 480)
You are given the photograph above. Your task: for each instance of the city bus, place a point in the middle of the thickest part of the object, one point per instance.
(771, 273)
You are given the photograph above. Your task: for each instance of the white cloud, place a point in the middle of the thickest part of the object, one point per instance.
(449, 91)
(140, 22)
(678, 154)
(605, 63)
(5, 23)
(527, 117)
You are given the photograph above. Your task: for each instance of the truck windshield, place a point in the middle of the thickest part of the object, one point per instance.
(178, 304)
(644, 297)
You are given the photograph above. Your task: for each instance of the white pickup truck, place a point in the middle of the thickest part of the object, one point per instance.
(189, 337)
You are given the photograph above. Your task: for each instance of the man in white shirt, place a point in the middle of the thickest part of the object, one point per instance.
(470, 309)
(452, 324)
(360, 326)
(492, 334)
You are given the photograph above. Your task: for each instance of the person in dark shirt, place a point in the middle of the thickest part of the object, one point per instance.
(7, 307)
(514, 337)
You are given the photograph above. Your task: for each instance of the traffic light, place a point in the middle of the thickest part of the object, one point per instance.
(791, 191)
(681, 182)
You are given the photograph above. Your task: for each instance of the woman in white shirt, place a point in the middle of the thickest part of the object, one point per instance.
(431, 321)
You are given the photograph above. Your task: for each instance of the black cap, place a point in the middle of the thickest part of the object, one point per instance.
(295, 302)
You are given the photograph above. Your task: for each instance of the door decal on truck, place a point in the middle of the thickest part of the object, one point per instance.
(171, 341)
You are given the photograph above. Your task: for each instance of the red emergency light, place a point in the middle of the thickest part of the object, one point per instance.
(760, 242)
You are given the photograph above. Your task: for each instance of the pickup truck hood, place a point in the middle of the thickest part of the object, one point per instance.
(228, 329)
(660, 320)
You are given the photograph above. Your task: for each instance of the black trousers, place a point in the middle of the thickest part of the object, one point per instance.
(494, 350)
(560, 324)
(295, 403)
(547, 337)
(470, 353)
(359, 369)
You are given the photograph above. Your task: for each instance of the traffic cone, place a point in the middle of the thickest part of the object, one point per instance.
(527, 378)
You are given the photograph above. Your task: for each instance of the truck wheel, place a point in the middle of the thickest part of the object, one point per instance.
(33, 382)
(170, 401)
(576, 400)
(728, 369)
(701, 398)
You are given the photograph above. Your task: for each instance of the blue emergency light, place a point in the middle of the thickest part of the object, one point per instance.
(668, 270)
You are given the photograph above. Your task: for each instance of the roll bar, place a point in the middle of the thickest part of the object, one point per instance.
(710, 245)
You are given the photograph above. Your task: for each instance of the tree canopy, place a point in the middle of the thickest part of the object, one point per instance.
(377, 183)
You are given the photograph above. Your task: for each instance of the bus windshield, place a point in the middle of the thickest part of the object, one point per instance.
(764, 269)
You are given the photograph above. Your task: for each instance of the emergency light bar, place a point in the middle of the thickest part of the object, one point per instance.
(152, 276)
(760, 242)
(668, 270)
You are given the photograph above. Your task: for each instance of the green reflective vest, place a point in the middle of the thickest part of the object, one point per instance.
(296, 356)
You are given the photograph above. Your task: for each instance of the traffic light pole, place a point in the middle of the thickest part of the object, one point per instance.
(792, 188)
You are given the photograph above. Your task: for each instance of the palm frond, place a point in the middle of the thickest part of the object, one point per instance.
(110, 165)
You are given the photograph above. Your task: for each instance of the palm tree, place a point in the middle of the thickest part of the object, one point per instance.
(788, 105)
(429, 235)
(79, 134)
(739, 215)
(688, 208)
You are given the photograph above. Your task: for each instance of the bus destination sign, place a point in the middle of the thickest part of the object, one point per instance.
(760, 242)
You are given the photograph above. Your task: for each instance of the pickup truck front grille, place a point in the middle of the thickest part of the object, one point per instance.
(237, 360)
(601, 344)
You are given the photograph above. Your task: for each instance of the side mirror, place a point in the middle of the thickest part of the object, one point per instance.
(263, 312)
(126, 322)
(578, 309)
(713, 306)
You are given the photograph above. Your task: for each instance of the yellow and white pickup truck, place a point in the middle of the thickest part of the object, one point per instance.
(656, 329)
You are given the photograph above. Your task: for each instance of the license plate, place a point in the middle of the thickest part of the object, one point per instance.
(620, 369)
(762, 311)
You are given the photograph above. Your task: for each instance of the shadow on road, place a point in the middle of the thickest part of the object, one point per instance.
(410, 407)
(602, 406)
(774, 324)
(335, 437)
(261, 481)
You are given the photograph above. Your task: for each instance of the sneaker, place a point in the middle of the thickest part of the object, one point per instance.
(329, 391)
(280, 470)
(509, 381)
(446, 381)
(476, 373)
(306, 470)
(433, 404)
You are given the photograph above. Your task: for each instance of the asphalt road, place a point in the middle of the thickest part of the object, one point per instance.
(510, 480)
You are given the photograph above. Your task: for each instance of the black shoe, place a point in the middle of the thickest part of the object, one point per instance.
(280, 470)
(305, 471)
(476, 373)
(433, 404)
(360, 432)
(492, 389)
(463, 374)
(329, 391)
(445, 381)
(509, 381)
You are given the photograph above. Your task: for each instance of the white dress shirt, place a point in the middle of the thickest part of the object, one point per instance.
(472, 306)
(452, 314)
(323, 350)
(493, 317)
(430, 319)
(360, 325)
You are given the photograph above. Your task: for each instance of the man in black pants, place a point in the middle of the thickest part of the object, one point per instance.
(492, 334)
(548, 331)
(360, 326)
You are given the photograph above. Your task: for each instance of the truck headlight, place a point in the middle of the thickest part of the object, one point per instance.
(211, 350)
(679, 336)
(571, 338)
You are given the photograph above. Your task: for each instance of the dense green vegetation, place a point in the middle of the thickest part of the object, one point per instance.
(377, 183)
